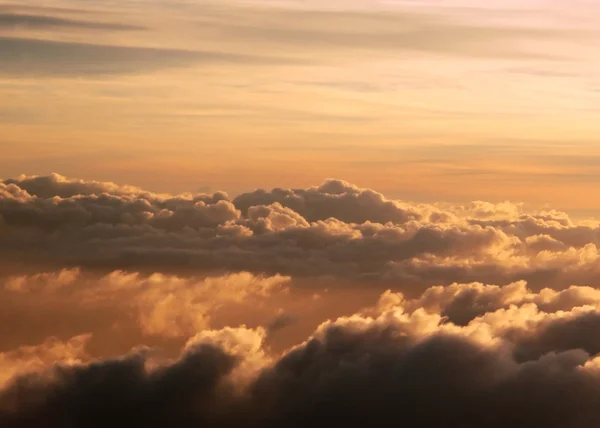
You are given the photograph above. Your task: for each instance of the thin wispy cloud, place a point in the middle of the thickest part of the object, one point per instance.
(34, 22)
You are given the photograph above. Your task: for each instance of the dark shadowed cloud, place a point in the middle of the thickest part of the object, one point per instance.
(335, 230)
(355, 371)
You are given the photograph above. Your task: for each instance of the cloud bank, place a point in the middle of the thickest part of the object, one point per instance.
(290, 307)
(336, 230)
(518, 365)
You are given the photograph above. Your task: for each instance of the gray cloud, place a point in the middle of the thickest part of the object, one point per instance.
(186, 392)
(373, 378)
(356, 370)
(280, 322)
(334, 199)
(39, 9)
(39, 58)
(335, 230)
(537, 323)
(390, 30)
(30, 21)
(561, 335)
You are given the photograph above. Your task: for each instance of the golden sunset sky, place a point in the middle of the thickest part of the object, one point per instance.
(423, 100)
(284, 213)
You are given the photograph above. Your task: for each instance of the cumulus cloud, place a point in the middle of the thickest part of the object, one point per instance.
(335, 230)
(333, 199)
(461, 303)
(395, 363)
(126, 390)
(198, 309)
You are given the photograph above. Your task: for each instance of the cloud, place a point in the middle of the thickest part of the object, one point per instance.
(57, 185)
(46, 58)
(280, 322)
(537, 323)
(158, 305)
(312, 27)
(336, 230)
(30, 21)
(38, 9)
(359, 369)
(230, 31)
(333, 199)
(173, 307)
(27, 359)
(183, 392)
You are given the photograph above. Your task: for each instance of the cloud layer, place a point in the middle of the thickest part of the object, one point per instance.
(33, 21)
(517, 365)
(290, 307)
(335, 230)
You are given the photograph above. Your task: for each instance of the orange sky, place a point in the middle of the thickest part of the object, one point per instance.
(274, 213)
(422, 100)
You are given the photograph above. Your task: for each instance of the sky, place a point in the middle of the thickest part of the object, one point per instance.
(422, 100)
(293, 213)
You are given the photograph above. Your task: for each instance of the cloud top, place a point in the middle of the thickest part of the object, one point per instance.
(397, 363)
(291, 307)
(334, 230)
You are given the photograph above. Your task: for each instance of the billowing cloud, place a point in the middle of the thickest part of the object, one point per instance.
(333, 199)
(397, 363)
(336, 230)
(27, 359)
(187, 386)
(200, 309)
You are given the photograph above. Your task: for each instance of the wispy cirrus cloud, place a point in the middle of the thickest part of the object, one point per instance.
(39, 58)
(474, 373)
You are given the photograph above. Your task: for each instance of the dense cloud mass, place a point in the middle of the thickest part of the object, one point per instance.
(514, 366)
(335, 230)
(290, 307)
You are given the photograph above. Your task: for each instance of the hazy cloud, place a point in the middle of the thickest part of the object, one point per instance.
(387, 29)
(160, 306)
(39, 58)
(33, 22)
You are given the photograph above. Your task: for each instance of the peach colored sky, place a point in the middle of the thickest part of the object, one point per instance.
(422, 100)
(364, 298)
